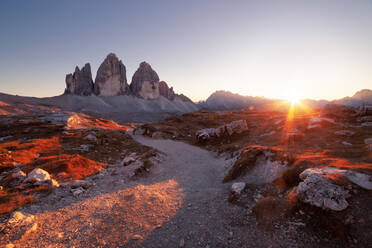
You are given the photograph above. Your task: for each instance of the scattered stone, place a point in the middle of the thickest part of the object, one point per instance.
(18, 217)
(5, 138)
(268, 134)
(91, 137)
(366, 124)
(235, 191)
(17, 177)
(182, 243)
(137, 237)
(344, 132)
(368, 141)
(129, 159)
(345, 143)
(81, 183)
(78, 191)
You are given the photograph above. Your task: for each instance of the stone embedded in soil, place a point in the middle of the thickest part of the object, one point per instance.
(40, 177)
(235, 191)
(264, 163)
(368, 141)
(37, 175)
(129, 159)
(319, 191)
(81, 183)
(78, 191)
(235, 127)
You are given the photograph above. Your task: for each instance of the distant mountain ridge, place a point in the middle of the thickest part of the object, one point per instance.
(228, 100)
(225, 100)
(360, 98)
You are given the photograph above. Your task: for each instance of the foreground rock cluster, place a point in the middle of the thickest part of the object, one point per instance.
(111, 80)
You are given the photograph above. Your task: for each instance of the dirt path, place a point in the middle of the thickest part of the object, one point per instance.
(180, 202)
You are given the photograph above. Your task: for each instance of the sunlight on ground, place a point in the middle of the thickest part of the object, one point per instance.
(134, 212)
(25, 152)
(82, 121)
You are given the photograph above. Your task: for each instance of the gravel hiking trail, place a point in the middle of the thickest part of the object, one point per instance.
(181, 202)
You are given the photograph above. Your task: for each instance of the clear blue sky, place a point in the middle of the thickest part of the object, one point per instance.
(317, 49)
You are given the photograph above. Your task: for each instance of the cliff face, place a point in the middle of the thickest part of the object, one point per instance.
(111, 80)
(145, 82)
(80, 82)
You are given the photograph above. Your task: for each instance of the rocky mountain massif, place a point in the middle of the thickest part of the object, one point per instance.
(111, 80)
(225, 100)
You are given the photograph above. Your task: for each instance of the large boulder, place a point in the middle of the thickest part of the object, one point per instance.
(258, 165)
(235, 127)
(111, 79)
(145, 82)
(80, 82)
(40, 177)
(319, 191)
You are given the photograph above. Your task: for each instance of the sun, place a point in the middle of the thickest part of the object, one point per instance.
(293, 98)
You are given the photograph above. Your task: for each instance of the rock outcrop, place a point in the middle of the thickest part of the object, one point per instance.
(145, 82)
(80, 82)
(235, 127)
(165, 91)
(317, 190)
(111, 79)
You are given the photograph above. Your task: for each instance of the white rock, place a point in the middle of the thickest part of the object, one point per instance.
(366, 124)
(320, 192)
(268, 134)
(344, 132)
(345, 143)
(321, 119)
(316, 189)
(237, 188)
(18, 174)
(129, 159)
(362, 180)
(37, 175)
(235, 191)
(41, 177)
(77, 192)
(235, 127)
(81, 184)
(368, 141)
(5, 138)
(19, 218)
(311, 126)
(91, 137)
